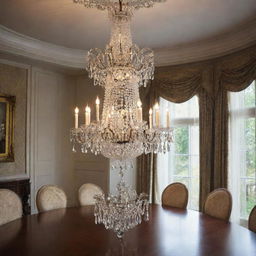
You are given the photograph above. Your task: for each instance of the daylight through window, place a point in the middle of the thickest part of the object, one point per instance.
(242, 152)
(181, 164)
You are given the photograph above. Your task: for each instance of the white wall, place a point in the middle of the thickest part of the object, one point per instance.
(51, 106)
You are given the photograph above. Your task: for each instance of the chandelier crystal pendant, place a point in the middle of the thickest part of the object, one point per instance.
(121, 133)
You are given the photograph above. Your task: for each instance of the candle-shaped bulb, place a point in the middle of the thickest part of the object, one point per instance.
(97, 109)
(87, 115)
(167, 118)
(76, 117)
(139, 104)
(112, 110)
(150, 117)
(139, 111)
(157, 115)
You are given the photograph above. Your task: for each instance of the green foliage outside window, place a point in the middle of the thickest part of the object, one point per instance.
(181, 139)
(248, 179)
(183, 162)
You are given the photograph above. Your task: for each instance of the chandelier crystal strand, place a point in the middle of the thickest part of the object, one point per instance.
(121, 68)
(121, 134)
(123, 211)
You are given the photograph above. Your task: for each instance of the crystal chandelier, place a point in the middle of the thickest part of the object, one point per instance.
(121, 133)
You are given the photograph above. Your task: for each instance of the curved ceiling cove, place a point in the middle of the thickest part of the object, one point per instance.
(168, 26)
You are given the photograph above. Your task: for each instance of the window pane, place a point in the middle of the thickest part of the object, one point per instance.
(194, 139)
(182, 162)
(250, 147)
(195, 165)
(181, 140)
(194, 191)
(188, 109)
(183, 180)
(242, 152)
(247, 197)
(181, 111)
(242, 199)
(181, 165)
(250, 195)
(193, 107)
(249, 96)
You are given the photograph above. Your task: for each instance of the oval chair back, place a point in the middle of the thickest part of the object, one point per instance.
(252, 220)
(10, 206)
(50, 197)
(218, 204)
(175, 195)
(87, 192)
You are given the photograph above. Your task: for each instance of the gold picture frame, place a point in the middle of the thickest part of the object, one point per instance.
(7, 105)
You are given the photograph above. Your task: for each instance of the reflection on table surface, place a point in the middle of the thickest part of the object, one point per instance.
(169, 231)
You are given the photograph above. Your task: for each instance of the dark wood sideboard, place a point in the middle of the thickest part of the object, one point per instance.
(22, 188)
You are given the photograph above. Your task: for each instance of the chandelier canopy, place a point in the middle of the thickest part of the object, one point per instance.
(115, 4)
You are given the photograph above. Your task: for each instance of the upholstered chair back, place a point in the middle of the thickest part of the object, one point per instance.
(252, 220)
(87, 192)
(218, 204)
(10, 206)
(175, 195)
(50, 197)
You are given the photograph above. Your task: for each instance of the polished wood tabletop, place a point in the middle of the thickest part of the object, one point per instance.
(169, 232)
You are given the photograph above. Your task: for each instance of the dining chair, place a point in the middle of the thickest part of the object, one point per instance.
(87, 192)
(10, 206)
(50, 197)
(218, 204)
(252, 220)
(175, 195)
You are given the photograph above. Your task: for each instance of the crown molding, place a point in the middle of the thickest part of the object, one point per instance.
(18, 44)
(242, 37)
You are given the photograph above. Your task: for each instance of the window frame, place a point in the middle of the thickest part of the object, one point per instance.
(244, 113)
(188, 122)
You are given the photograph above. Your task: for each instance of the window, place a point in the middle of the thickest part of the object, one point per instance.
(181, 164)
(242, 152)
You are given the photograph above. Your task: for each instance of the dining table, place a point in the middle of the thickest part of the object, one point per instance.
(169, 232)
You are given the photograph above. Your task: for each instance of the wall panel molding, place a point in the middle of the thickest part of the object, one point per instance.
(51, 157)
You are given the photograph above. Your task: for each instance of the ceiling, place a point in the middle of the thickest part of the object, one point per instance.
(169, 24)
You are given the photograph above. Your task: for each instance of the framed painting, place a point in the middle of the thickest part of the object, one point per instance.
(7, 104)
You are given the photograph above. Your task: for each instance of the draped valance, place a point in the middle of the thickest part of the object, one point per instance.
(210, 80)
